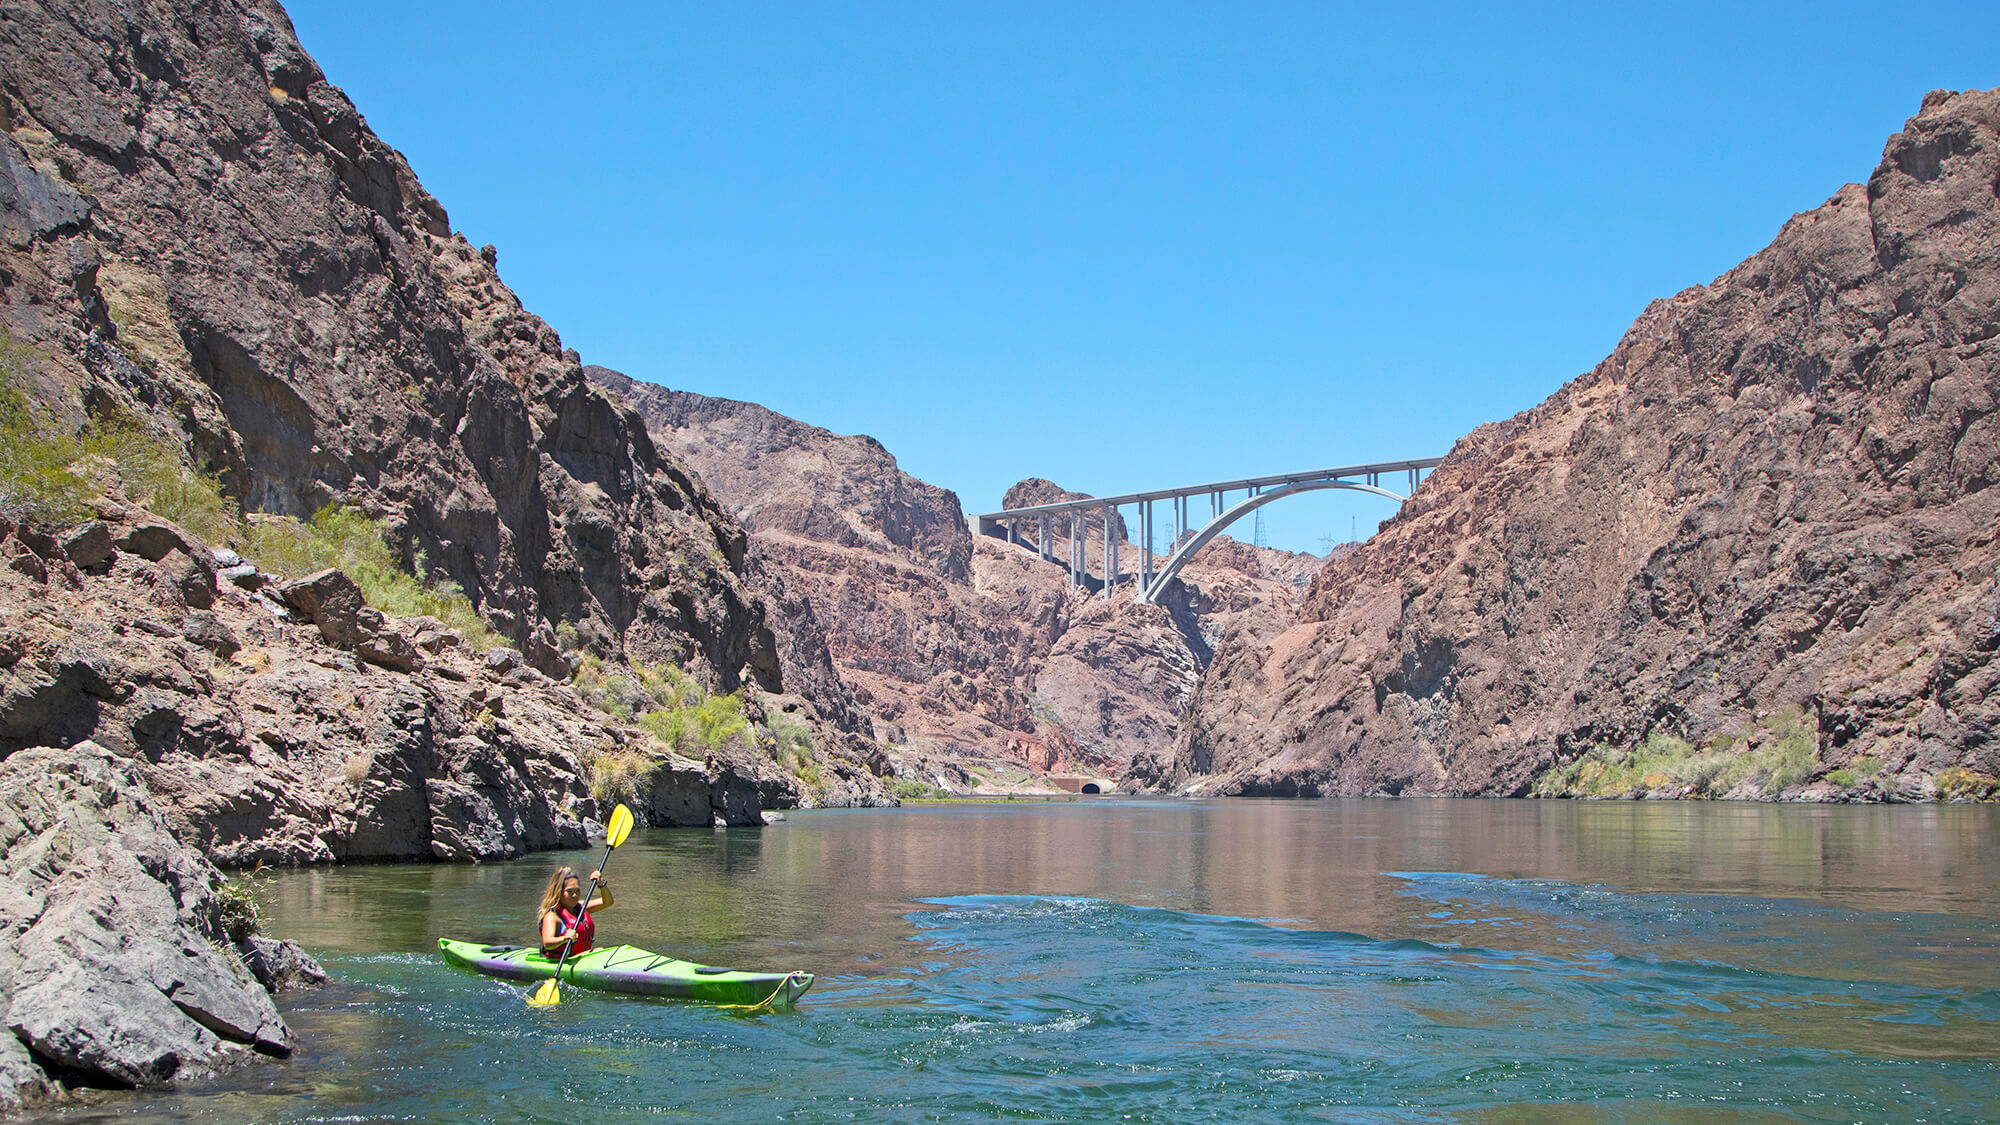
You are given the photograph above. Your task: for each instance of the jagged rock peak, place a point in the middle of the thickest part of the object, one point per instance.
(1035, 492)
(808, 481)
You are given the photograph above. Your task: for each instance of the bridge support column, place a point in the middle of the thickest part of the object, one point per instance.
(1075, 547)
(1110, 551)
(1146, 543)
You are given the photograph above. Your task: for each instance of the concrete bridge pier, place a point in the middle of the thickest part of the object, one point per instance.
(1110, 550)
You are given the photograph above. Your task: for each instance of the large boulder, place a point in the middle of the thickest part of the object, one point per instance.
(331, 600)
(121, 963)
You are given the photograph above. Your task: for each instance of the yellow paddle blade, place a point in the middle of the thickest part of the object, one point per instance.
(621, 824)
(545, 994)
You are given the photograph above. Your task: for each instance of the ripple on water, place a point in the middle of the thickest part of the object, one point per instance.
(1552, 1001)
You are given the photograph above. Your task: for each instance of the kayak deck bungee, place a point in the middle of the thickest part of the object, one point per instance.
(630, 970)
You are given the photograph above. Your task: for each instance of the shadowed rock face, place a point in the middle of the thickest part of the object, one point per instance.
(199, 230)
(1774, 498)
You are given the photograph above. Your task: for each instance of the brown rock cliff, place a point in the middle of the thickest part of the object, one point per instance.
(979, 662)
(202, 232)
(1771, 505)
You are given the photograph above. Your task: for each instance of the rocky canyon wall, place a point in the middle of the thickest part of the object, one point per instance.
(977, 658)
(202, 234)
(1764, 525)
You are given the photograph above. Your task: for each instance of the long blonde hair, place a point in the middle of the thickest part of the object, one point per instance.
(552, 894)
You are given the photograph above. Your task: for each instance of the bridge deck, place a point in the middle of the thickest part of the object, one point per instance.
(1096, 503)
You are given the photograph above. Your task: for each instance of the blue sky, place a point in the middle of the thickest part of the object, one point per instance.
(1130, 246)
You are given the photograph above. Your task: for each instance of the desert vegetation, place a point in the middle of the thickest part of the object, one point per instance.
(351, 541)
(48, 475)
(685, 718)
(1784, 754)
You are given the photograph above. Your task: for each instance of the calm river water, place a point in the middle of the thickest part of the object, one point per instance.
(1105, 960)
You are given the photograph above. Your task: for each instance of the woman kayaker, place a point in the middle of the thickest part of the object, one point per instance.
(565, 913)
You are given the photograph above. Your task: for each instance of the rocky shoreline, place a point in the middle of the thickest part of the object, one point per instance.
(125, 960)
(211, 716)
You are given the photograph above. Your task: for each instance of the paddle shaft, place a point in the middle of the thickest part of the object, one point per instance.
(582, 908)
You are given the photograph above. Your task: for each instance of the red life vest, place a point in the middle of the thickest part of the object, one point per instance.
(585, 930)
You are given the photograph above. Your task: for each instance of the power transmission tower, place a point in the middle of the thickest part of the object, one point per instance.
(1257, 532)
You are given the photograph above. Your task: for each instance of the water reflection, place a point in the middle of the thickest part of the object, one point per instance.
(1417, 961)
(834, 888)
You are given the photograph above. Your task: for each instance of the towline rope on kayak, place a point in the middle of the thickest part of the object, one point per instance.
(764, 1005)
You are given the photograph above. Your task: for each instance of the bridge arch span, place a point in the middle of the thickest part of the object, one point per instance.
(1150, 581)
(1172, 566)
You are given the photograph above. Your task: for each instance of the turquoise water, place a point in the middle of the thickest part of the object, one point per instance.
(1391, 961)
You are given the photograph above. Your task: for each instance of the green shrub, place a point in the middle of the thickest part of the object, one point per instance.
(614, 775)
(668, 703)
(684, 717)
(238, 908)
(790, 741)
(629, 690)
(790, 744)
(911, 789)
(45, 472)
(567, 638)
(1785, 758)
(711, 723)
(347, 539)
(1961, 784)
(38, 478)
(154, 474)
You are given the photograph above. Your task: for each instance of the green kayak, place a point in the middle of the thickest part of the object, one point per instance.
(629, 969)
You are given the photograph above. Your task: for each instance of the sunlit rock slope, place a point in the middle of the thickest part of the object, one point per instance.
(1751, 552)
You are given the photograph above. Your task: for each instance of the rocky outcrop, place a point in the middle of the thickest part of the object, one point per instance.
(123, 961)
(785, 477)
(203, 235)
(1035, 491)
(276, 738)
(1769, 515)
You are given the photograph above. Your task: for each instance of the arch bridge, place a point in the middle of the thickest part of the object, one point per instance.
(1044, 519)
